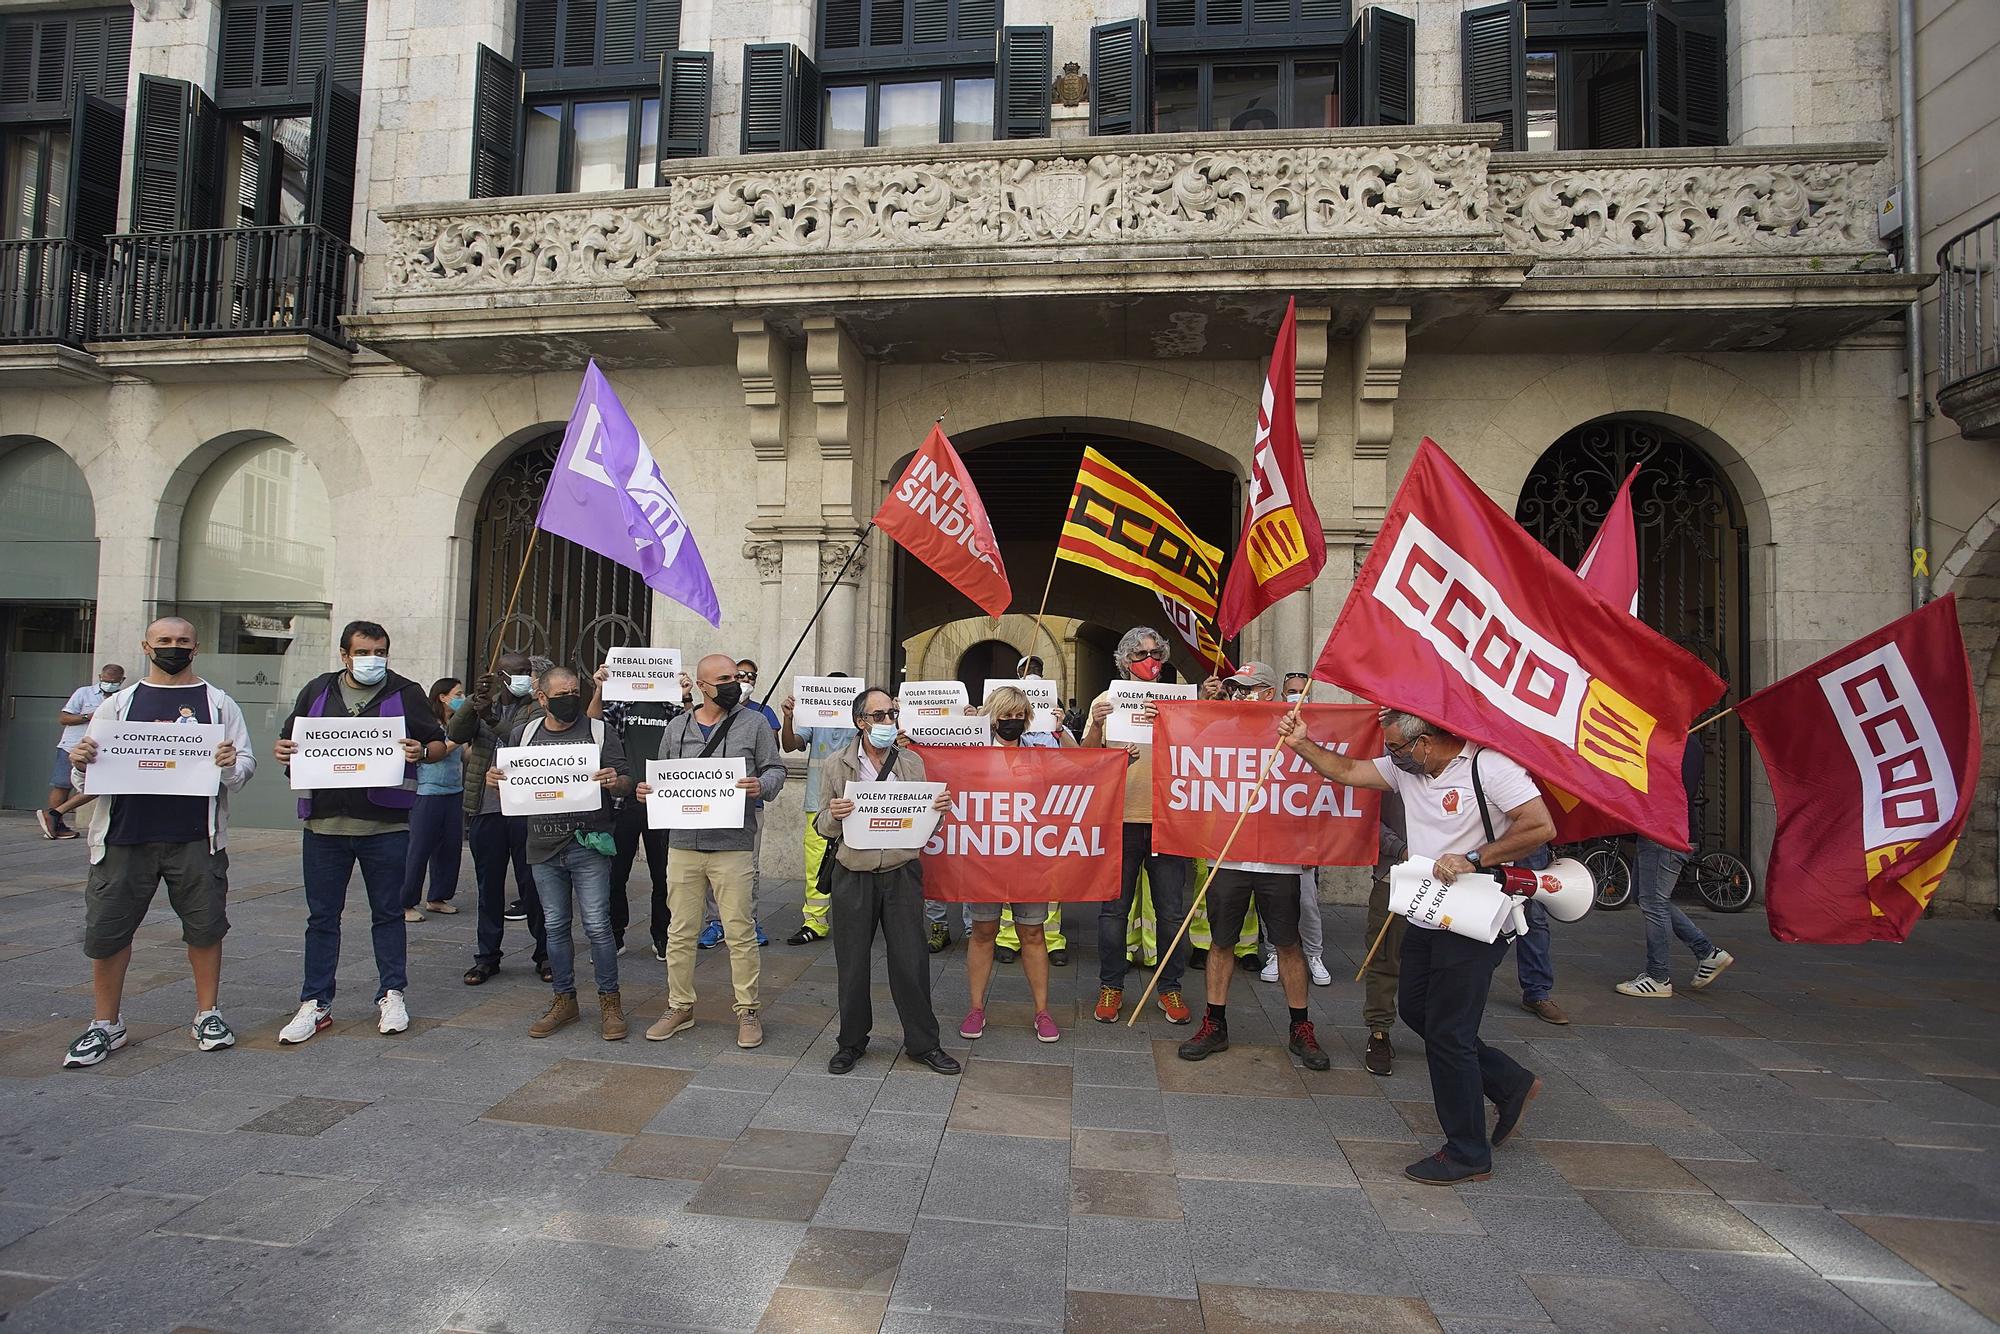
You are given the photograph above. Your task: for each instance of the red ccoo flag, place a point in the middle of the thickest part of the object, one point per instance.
(1873, 754)
(1461, 617)
(1283, 547)
(934, 512)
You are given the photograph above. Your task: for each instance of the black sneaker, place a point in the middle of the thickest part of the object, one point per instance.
(516, 912)
(1004, 955)
(1306, 1047)
(1058, 958)
(1438, 1170)
(1209, 1039)
(1198, 958)
(1380, 1058)
(805, 935)
(1509, 1119)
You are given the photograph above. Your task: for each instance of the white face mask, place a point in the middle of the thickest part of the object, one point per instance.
(1294, 697)
(110, 687)
(519, 686)
(368, 668)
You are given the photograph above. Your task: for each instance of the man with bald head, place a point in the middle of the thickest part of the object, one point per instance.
(136, 841)
(722, 860)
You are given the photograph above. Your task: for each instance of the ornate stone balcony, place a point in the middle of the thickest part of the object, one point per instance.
(1422, 216)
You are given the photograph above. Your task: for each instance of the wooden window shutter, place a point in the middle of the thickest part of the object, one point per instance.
(535, 43)
(496, 127)
(1120, 91)
(336, 137)
(159, 158)
(96, 153)
(781, 92)
(1493, 44)
(1686, 76)
(1025, 71)
(1377, 70)
(663, 28)
(687, 79)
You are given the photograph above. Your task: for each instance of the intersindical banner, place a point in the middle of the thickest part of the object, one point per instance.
(1027, 825)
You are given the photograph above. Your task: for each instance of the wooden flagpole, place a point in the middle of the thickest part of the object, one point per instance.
(533, 535)
(1710, 722)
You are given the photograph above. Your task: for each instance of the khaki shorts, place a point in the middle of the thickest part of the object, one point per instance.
(1024, 914)
(121, 888)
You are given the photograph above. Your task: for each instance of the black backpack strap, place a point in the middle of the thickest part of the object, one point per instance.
(1479, 795)
(888, 764)
(715, 737)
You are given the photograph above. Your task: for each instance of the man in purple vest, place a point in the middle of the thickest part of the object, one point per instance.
(369, 826)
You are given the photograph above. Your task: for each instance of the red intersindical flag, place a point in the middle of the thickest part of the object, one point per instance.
(934, 513)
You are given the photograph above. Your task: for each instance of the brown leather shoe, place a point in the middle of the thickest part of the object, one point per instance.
(1380, 1058)
(1545, 1010)
(611, 1016)
(668, 1024)
(562, 1012)
(749, 1031)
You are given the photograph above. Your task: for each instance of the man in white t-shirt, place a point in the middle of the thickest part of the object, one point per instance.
(1446, 976)
(75, 715)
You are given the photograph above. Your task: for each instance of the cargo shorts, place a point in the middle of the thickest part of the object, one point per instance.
(121, 888)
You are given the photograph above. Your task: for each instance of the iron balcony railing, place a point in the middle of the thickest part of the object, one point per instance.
(1969, 303)
(50, 291)
(243, 280)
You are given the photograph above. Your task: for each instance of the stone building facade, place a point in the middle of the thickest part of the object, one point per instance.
(330, 393)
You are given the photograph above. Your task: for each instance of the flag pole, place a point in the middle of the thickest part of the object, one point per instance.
(1215, 865)
(1710, 722)
(824, 598)
(513, 597)
(1036, 642)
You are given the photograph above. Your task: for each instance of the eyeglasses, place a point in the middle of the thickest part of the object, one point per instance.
(881, 716)
(1138, 653)
(1403, 749)
(1238, 692)
(747, 678)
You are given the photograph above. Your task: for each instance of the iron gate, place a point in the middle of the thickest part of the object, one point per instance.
(573, 603)
(1693, 572)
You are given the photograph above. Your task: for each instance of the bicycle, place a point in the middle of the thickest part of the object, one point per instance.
(1722, 879)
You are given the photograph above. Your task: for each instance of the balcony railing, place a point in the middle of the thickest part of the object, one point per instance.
(245, 280)
(50, 291)
(1969, 303)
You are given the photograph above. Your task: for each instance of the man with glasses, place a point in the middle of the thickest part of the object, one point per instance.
(1142, 655)
(702, 861)
(1445, 976)
(711, 929)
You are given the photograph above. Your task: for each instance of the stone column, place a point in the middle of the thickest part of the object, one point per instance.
(840, 625)
(770, 561)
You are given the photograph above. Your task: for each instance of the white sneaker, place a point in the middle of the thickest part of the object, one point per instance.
(310, 1019)
(1645, 985)
(1711, 968)
(395, 1016)
(1317, 967)
(1270, 973)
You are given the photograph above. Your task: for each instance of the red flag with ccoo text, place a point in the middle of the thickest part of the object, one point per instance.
(1461, 617)
(1873, 754)
(934, 513)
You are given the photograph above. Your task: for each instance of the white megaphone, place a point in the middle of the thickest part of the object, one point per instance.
(1564, 887)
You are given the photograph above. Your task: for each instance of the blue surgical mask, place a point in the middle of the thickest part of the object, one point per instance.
(882, 735)
(455, 703)
(519, 686)
(369, 669)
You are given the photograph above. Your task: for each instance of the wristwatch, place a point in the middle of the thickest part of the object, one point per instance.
(1473, 857)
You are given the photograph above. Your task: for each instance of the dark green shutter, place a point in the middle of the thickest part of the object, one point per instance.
(496, 127)
(349, 40)
(96, 152)
(1377, 70)
(203, 196)
(686, 78)
(1686, 77)
(1024, 73)
(1493, 42)
(781, 95)
(336, 136)
(663, 28)
(159, 156)
(1120, 89)
(839, 25)
(237, 63)
(535, 41)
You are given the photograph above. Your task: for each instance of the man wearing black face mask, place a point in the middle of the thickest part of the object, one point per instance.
(501, 701)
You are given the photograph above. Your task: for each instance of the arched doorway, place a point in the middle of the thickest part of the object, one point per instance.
(573, 604)
(1025, 482)
(989, 659)
(48, 603)
(1693, 570)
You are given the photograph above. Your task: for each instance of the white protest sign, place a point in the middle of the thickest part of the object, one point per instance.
(543, 780)
(156, 759)
(1471, 905)
(347, 752)
(1126, 699)
(932, 699)
(974, 729)
(650, 674)
(891, 815)
(824, 701)
(695, 794)
(1047, 713)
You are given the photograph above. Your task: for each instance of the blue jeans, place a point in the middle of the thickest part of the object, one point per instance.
(585, 876)
(437, 837)
(1533, 963)
(329, 861)
(1653, 880)
(1168, 879)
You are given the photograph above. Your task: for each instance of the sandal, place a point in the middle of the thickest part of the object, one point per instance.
(479, 972)
(412, 915)
(441, 909)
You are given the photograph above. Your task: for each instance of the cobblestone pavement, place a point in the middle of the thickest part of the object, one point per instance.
(1812, 1145)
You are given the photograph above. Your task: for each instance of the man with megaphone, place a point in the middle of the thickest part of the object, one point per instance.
(1468, 810)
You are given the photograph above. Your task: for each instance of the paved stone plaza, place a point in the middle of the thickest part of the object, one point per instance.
(1813, 1146)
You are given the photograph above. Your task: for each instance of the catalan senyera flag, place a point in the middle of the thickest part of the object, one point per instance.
(1119, 525)
(1198, 634)
(1461, 617)
(1283, 548)
(1873, 754)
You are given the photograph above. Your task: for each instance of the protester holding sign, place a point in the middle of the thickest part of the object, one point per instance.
(571, 852)
(641, 725)
(502, 700)
(1468, 809)
(711, 927)
(718, 859)
(819, 743)
(1142, 653)
(75, 716)
(138, 840)
(1275, 886)
(365, 825)
(437, 822)
(879, 890)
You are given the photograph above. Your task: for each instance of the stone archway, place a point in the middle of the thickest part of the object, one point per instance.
(934, 655)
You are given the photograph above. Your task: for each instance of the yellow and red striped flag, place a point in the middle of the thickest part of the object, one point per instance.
(1119, 525)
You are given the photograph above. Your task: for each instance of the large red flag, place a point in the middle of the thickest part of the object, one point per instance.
(934, 512)
(1610, 567)
(1873, 753)
(1283, 548)
(1460, 617)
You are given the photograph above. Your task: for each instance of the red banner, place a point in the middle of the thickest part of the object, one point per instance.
(1873, 754)
(1461, 617)
(1027, 824)
(1283, 548)
(934, 513)
(1207, 756)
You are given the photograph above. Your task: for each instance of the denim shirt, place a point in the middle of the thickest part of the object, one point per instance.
(440, 778)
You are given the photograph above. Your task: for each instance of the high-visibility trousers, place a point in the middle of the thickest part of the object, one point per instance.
(1052, 932)
(1142, 934)
(817, 903)
(1199, 934)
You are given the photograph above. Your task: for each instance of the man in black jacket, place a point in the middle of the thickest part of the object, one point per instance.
(640, 725)
(369, 826)
(501, 701)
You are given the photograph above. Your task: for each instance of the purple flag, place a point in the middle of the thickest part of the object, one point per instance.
(606, 493)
